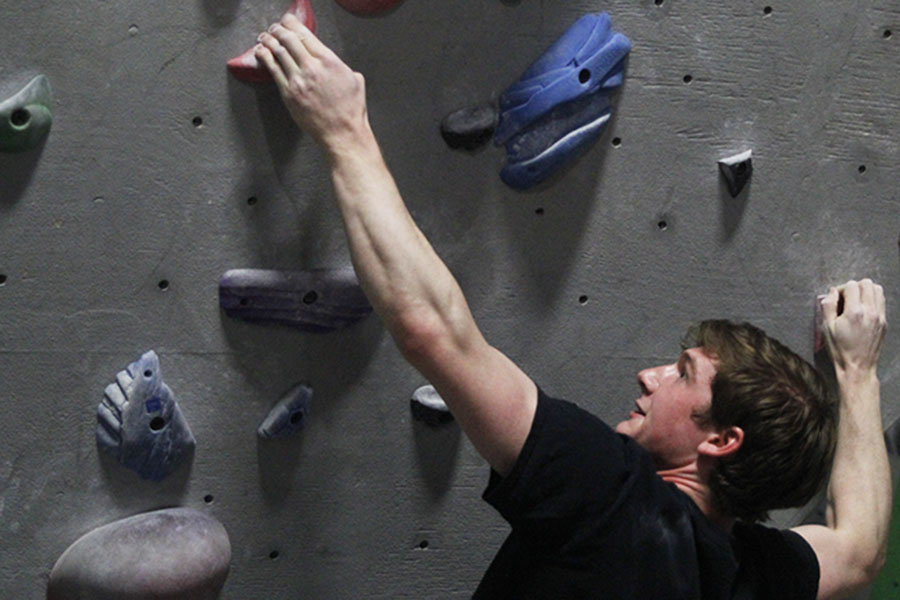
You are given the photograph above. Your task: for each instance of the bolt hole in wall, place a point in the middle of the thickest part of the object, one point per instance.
(423, 544)
(539, 211)
(252, 200)
(862, 168)
(197, 121)
(688, 78)
(310, 297)
(616, 142)
(658, 2)
(20, 117)
(582, 300)
(767, 10)
(274, 554)
(163, 285)
(208, 498)
(887, 33)
(2, 279)
(662, 225)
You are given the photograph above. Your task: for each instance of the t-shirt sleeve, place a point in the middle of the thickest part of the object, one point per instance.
(572, 464)
(779, 563)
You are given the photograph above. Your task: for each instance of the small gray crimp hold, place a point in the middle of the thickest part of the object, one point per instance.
(289, 415)
(737, 170)
(428, 406)
(470, 128)
(171, 553)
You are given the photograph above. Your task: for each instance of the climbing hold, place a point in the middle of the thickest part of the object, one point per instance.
(428, 406)
(560, 105)
(737, 170)
(818, 333)
(171, 553)
(25, 118)
(316, 300)
(289, 415)
(140, 423)
(469, 128)
(246, 68)
(367, 7)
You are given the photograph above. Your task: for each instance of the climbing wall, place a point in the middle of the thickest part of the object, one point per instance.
(161, 172)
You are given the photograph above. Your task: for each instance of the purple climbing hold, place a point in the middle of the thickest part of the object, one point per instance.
(176, 553)
(139, 422)
(470, 128)
(367, 7)
(317, 300)
(289, 415)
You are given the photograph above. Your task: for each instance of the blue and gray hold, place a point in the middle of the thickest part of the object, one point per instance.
(140, 424)
(289, 415)
(560, 105)
(315, 300)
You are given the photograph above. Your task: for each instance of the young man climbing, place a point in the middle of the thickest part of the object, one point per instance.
(664, 506)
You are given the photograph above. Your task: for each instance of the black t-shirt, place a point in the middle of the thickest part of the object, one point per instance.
(591, 519)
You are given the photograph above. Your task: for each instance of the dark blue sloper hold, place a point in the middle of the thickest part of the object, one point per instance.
(139, 422)
(316, 300)
(289, 415)
(560, 105)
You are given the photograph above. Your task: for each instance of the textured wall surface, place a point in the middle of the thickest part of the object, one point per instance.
(114, 233)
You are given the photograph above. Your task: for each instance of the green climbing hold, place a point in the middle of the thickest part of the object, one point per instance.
(26, 117)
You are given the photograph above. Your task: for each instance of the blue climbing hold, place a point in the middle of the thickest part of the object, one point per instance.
(289, 415)
(559, 106)
(139, 422)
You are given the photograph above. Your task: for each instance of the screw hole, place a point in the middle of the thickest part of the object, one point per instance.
(662, 225)
(688, 78)
(2, 279)
(582, 300)
(888, 33)
(20, 117)
(208, 498)
(423, 544)
(584, 75)
(163, 284)
(659, 2)
(157, 423)
(539, 211)
(616, 142)
(310, 297)
(767, 10)
(274, 554)
(197, 121)
(245, 301)
(251, 201)
(862, 168)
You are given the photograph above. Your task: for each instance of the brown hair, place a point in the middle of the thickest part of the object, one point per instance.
(788, 415)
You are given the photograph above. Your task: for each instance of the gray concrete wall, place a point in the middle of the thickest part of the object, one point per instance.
(128, 192)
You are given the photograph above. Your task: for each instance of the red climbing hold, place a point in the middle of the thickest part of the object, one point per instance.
(367, 7)
(246, 68)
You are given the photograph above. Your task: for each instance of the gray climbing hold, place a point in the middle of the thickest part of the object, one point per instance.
(470, 128)
(25, 118)
(176, 553)
(428, 406)
(289, 415)
(140, 424)
(737, 170)
(316, 300)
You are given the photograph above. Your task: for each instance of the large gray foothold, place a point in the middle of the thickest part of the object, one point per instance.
(289, 415)
(317, 300)
(428, 406)
(176, 553)
(25, 118)
(737, 170)
(139, 422)
(470, 128)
